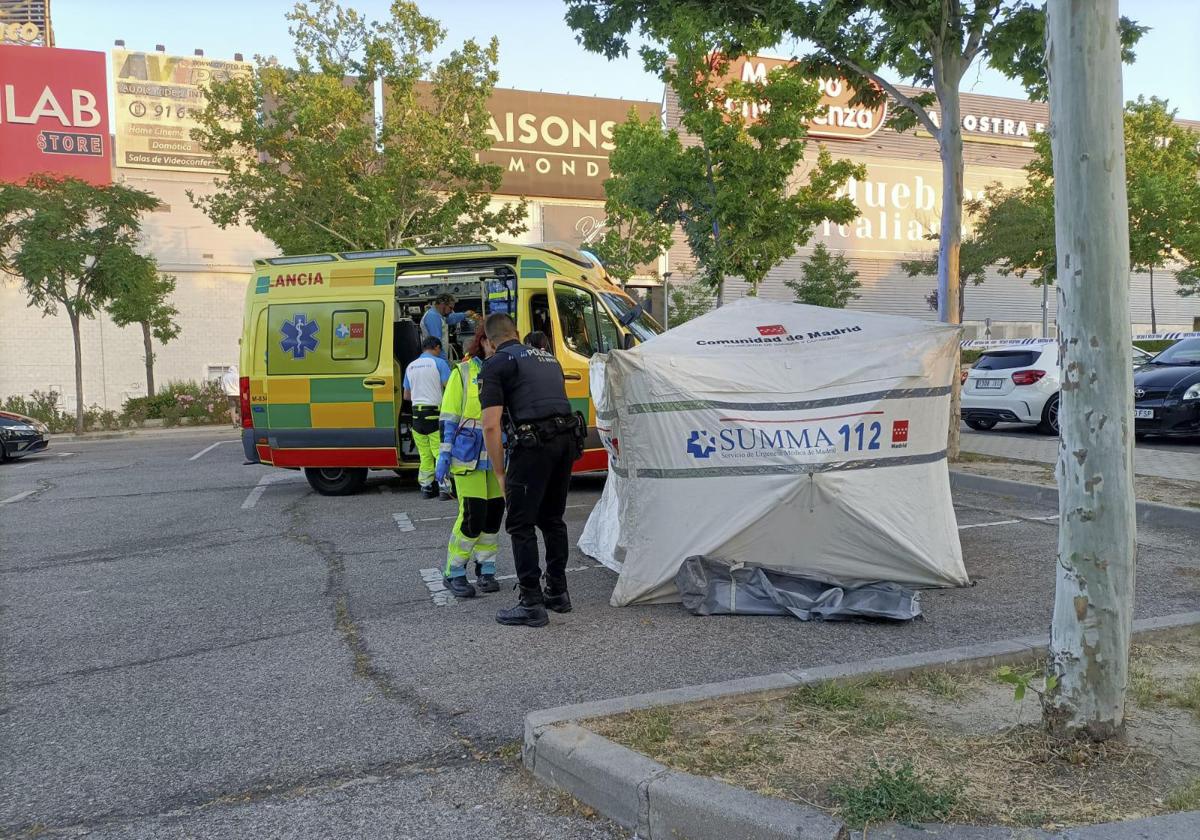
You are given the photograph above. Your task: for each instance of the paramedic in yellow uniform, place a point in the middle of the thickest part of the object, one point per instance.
(476, 534)
(424, 382)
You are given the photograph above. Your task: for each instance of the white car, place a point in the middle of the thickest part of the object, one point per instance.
(1018, 384)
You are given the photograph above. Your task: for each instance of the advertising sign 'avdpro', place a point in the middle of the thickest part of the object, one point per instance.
(157, 100)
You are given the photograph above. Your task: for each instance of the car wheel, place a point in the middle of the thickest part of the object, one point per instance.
(1139, 436)
(3, 454)
(979, 424)
(1049, 424)
(336, 481)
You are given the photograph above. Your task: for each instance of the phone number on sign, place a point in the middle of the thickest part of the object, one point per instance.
(159, 111)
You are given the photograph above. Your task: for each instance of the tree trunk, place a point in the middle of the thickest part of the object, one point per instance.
(149, 346)
(1153, 314)
(1097, 541)
(74, 316)
(947, 76)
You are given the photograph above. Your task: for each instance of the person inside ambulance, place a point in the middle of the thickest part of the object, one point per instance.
(440, 317)
(424, 382)
(476, 534)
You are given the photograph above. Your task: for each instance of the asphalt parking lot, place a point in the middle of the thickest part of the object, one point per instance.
(196, 648)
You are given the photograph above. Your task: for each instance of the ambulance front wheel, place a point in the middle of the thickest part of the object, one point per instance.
(336, 481)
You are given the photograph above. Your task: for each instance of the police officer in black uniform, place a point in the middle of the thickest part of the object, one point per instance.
(522, 395)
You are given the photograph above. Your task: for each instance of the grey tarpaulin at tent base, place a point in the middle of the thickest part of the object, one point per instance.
(711, 587)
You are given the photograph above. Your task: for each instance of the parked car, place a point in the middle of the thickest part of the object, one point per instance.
(1018, 384)
(20, 435)
(1166, 392)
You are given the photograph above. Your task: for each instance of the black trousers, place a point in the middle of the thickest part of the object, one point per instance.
(535, 490)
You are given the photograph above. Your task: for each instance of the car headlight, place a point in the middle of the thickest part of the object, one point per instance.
(1192, 393)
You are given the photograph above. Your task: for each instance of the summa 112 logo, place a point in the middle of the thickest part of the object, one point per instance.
(773, 329)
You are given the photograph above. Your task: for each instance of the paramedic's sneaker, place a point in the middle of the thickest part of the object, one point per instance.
(429, 491)
(528, 611)
(445, 492)
(557, 598)
(459, 586)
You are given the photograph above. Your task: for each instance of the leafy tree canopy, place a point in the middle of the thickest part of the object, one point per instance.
(312, 167)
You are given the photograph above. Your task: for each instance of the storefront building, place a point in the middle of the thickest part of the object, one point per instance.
(552, 148)
(900, 205)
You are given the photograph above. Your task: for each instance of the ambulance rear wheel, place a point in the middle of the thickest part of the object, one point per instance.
(336, 481)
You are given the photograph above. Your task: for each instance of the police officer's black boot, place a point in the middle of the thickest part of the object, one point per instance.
(529, 610)
(556, 597)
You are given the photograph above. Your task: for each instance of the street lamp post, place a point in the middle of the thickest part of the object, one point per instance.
(666, 301)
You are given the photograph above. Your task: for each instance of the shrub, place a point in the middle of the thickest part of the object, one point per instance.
(194, 403)
(171, 415)
(43, 407)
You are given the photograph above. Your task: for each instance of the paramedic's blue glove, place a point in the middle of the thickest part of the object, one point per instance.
(443, 467)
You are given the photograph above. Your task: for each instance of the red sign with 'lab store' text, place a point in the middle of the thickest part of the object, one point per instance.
(54, 114)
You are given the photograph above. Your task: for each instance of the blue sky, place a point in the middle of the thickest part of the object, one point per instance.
(538, 50)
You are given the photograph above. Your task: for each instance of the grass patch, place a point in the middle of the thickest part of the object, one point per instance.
(1145, 690)
(649, 730)
(830, 696)
(894, 793)
(939, 683)
(1188, 696)
(1186, 798)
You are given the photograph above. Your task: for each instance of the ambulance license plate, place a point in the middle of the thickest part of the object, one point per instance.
(994, 384)
(1143, 413)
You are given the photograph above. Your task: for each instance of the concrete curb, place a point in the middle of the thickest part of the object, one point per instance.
(1149, 514)
(658, 802)
(208, 429)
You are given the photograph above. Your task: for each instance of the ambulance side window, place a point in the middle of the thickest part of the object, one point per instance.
(577, 318)
(587, 326)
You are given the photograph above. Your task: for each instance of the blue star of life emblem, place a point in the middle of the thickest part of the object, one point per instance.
(299, 336)
(701, 444)
(341, 331)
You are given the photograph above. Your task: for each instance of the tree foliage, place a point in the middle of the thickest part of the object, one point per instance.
(145, 299)
(1162, 165)
(687, 301)
(310, 165)
(72, 245)
(734, 194)
(1014, 228)
(826, 279)
(632, 238)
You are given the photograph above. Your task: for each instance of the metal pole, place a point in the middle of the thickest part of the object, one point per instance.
(1045, 307)
(666, 301)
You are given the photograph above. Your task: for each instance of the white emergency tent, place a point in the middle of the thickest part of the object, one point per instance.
(796, 438)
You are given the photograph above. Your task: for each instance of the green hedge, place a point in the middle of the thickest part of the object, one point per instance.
(1153, 346)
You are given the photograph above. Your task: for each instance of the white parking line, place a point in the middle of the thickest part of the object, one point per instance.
(989, 524)
(20, 466)
(1009, 522)
(264, 482)
(403, 522)
(441, 596)
(17, 497)
(208, 449)
(64, 454)
(437, 589)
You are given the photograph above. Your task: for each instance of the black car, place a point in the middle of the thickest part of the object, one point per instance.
(20, 435)
(1166, 392)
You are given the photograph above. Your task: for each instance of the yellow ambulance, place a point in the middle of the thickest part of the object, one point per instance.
(327, 337)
